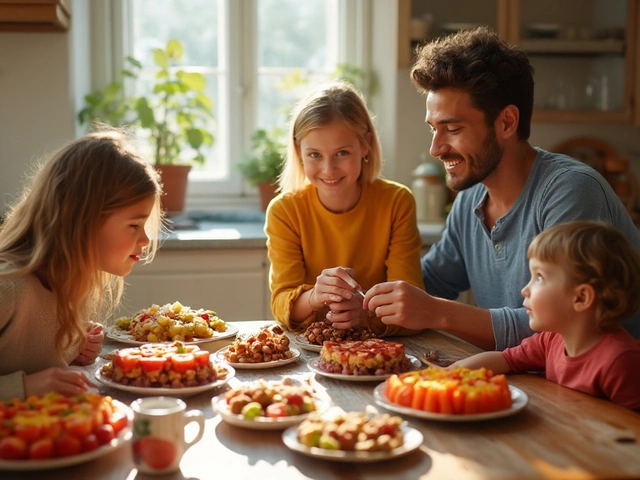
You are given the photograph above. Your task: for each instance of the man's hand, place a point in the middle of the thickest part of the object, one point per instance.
(400, 303)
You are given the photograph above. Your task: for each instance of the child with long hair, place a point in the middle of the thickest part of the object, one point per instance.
(91, 212)
(585, 279)
(336, 226)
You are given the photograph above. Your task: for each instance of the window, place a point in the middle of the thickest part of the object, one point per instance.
(245, 48)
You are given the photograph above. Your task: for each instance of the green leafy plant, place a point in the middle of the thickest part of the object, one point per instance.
(265, 162)
(177, 114)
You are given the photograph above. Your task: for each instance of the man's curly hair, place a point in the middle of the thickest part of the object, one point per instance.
(494, 73)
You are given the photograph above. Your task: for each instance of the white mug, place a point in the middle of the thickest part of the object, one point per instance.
(158, 433)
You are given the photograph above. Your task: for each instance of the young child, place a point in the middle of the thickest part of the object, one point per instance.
(585, 280)
(336, 225)
(91, 212)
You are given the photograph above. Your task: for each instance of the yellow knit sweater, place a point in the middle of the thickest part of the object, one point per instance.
(378, 239)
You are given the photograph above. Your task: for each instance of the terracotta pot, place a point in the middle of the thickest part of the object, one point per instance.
(267, 192)
(174, 181)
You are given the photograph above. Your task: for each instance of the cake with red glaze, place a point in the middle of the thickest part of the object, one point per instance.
(363, 357)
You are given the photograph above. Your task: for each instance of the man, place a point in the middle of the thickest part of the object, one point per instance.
(479, 102)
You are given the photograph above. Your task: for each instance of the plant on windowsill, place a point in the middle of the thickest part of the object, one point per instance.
(177, 116)
(263, 166)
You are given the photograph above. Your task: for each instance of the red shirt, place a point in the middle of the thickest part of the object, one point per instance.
(607, 370)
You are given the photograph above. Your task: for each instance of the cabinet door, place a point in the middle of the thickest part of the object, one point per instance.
(583, 52)
(230, 282)
(425, 20)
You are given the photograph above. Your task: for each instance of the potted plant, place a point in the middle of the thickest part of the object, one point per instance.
(177, 116)
(263, 166)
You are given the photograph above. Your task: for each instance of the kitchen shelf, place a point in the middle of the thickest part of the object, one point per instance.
(34, 15)
(573, 47)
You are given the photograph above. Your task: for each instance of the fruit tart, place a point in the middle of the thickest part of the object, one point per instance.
(163, 365)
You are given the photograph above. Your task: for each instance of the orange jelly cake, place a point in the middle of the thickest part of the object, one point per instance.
(363, 357)
(163, 365)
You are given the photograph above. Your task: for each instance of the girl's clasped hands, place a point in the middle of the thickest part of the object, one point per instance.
(337, 289)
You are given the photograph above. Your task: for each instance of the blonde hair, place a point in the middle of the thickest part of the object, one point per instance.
(53, 229)
(335, 101)
(597, 254)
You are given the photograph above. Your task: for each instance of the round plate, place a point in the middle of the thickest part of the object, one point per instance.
(518, 397)
(123, 437)
(122, 337)
(313, 366)
(261, 423)
(258, 366)
(169, 392)
(302, 341)
(412, 440)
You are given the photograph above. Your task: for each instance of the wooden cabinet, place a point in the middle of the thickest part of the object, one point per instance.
(585, 52)
(34, 15)
(234, 283)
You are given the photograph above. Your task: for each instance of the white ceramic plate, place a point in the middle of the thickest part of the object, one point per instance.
(519, 398)
(170, 392)
(261, 423)
(412, 440)
(258, 366)
(302, 341)
(313, 366)
(122, 337)
(123, 437)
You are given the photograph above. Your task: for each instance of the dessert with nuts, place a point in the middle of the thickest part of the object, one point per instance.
(352, 431)
(270, 399)
(368, 357)
(268, 345)
(319, 332)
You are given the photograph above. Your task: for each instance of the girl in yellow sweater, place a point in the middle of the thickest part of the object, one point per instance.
(336, 226)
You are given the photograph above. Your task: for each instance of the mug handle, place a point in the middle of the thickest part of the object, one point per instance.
(190, 417)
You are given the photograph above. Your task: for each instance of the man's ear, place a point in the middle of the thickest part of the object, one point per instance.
(584, 297)
(507, 122)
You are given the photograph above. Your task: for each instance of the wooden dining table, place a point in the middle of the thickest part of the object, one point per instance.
(560, 434)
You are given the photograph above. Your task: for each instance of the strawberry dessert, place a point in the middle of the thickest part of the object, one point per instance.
(364, 357)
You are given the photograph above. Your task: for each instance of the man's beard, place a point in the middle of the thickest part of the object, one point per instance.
(480, 166)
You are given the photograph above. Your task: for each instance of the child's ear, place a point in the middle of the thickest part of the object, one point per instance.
(584, 297)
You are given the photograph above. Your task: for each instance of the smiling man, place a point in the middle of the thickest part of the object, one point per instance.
(479, 102)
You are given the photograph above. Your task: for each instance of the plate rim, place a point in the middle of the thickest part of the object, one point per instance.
(124, 436)
(415, 436)
(219, 355)
(522, 399)
(170, 392)
(305, 344)
(263, 424)
(129, 341)
(358, 378)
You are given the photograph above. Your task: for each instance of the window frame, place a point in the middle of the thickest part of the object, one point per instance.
(237, 61)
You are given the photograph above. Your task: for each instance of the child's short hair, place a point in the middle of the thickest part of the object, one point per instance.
(597, 254)
(337, 100)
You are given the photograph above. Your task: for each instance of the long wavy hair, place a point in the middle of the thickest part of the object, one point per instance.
(52, 231)
(596, 254)
(334, 101)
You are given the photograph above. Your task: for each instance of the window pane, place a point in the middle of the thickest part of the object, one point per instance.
(292, 33)
(193, 22)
